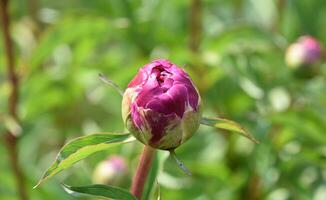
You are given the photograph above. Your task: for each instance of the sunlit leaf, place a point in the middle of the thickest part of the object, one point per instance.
(227, 125)
(103, 191)
(81, 148)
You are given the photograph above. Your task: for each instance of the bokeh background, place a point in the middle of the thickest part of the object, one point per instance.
(234, 50)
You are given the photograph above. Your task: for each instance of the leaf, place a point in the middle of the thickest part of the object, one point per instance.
(104, 191)
(81, 148)
(227, 125)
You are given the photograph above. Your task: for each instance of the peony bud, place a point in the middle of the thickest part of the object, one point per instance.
(111, 171)
(305, 51)
(161, 106)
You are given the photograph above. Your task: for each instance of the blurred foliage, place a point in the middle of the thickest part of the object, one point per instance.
(61, 46)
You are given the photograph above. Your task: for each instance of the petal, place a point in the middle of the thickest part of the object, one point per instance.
(193, 97)
(191, 90)
(158, 123)
(139, 79)
(178, 93)
(146, 96)
(162, 62)
(136, 117)
(162, 104)
(168, 83)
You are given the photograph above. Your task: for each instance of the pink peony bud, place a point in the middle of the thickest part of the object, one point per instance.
(111, 171)
(161, 106)
(306, 50)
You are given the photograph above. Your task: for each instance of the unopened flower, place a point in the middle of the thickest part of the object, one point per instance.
(111, 171)
(161, 106)
(305, 51)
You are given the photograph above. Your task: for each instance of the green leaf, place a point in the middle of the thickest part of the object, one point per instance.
(104, 191)
(227, 125)
(81, 148)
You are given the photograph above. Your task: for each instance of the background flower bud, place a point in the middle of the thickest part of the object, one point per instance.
(161, 106)
(305, 51)
(112, 171)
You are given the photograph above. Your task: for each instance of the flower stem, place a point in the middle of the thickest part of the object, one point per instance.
(143, 169)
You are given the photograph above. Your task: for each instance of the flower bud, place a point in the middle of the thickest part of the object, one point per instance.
(112, 171)
(161, 106)
(305, 51)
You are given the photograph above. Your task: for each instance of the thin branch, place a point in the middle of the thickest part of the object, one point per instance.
(10, 138)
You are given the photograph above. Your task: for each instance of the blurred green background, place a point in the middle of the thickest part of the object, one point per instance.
(234, 51)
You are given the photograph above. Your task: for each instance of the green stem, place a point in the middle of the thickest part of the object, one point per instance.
(143, 169)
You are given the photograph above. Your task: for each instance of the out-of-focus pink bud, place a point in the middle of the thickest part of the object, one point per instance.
(305, 51)
(161, 106)
(112, 171)
(312, 49)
